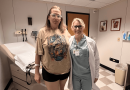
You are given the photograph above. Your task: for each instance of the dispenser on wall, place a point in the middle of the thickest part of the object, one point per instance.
(126, 36)
(29, 20)
(34, 33)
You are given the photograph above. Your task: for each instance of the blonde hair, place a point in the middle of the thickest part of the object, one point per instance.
(80, 21)
(61, 26)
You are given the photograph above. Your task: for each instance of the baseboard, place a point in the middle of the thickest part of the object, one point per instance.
(9, 83)
(108, 68)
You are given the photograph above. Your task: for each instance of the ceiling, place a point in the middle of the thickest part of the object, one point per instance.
(85, 3)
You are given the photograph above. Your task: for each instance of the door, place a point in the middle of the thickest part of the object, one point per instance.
(84, 16)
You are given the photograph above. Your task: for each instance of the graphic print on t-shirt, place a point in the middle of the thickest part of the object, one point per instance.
(57, 47)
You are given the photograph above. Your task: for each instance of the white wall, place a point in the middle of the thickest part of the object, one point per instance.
(14, 15)
(125, 57)
(93, 24)
(107, 41)
(34, 9)
(7, 18)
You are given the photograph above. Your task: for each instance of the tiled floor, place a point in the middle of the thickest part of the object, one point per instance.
(106, 81)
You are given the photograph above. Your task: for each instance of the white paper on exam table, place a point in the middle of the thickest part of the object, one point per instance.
(19, 47)
(24, 54)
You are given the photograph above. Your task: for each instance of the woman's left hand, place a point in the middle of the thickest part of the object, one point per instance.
(95, 80)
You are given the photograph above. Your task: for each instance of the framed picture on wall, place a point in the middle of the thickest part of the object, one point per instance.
(103, 25)
(115, 24)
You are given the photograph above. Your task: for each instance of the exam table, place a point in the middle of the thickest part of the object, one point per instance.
(18, 70)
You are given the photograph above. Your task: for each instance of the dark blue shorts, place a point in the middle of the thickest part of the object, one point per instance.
(52, 77)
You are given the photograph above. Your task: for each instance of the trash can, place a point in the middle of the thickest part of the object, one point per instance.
(120, 71)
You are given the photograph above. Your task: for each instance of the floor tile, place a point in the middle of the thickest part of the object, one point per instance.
(109, 72)
(100, 84)
(105, 88)
(100, 70)
(115, 86)
(101, 76)
(106, 81)
(104, 73)
(111, 77)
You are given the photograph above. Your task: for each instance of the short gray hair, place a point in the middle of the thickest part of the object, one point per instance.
(80, 21)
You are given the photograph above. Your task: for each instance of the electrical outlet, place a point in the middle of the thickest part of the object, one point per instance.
(114, 60)
(118, 39)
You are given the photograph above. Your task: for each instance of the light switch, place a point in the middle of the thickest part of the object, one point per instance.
(118, 39)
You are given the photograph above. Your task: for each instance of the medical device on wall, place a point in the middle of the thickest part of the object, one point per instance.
(26, 34)
(34, 33)
(23, 32)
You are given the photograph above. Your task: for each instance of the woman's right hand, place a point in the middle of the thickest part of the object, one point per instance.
(37, 77)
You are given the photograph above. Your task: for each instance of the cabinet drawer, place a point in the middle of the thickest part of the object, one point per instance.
(23, 76)
(19, 87)
(22, 83)
(15, 68)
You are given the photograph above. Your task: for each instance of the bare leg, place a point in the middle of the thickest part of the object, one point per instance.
(62, 83)
(52, 85)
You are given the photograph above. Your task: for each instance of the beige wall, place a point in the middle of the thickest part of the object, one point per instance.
(1, 75)
(5, 74)
(125, 54)
(7, 19)
(107, 41)
(1, 33)
(14, 15)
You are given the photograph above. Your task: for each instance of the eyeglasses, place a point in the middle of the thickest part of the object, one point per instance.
(54, 16)
(79, 26)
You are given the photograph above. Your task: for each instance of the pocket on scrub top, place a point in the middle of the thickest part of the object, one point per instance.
(84, 52)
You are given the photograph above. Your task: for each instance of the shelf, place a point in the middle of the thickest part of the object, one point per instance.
(126, 40)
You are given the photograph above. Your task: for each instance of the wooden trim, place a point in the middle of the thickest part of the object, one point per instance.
(78, 13)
